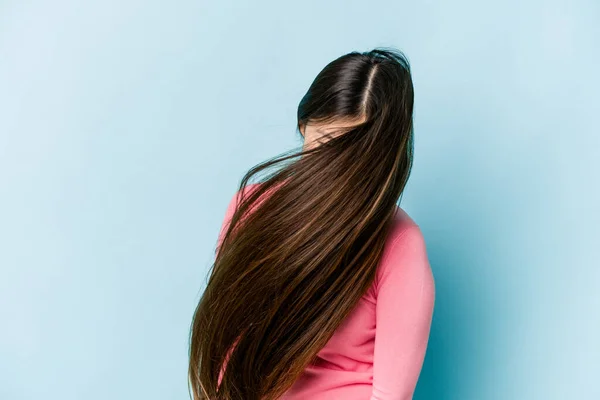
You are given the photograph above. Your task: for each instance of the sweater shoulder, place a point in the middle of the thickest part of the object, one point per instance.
(405, 253)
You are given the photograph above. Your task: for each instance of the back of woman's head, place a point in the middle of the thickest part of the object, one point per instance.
(303, 246)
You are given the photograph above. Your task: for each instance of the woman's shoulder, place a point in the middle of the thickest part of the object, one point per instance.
(404, 229)
(405, 252)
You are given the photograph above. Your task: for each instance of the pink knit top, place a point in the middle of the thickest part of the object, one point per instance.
(377, 353)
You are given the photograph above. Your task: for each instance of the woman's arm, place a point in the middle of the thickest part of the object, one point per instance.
(404, 309)
(226, 220)
(229, 213)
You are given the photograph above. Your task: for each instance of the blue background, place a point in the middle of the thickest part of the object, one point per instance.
(125, 127)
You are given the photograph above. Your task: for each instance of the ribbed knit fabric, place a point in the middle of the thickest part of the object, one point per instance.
(378, 351)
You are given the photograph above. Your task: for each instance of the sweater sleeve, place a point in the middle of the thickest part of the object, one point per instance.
(230, 210)
(404, 310)
(231, 206)
(226, 220)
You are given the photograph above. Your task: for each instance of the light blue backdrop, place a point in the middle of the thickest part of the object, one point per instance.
(125, 127)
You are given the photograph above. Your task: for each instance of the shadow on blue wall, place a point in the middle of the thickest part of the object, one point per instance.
(446, 366)
(458, 332)
(462, 238)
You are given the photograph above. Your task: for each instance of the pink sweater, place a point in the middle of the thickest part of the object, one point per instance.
(378, 351)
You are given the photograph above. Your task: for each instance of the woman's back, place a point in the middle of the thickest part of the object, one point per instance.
(378, 351)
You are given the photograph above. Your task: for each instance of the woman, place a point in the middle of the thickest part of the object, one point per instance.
(321, 287)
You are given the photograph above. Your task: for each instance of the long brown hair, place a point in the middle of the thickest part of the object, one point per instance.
(290, 271)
